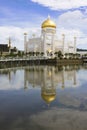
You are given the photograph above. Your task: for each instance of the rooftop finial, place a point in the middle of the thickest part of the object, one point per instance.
(48, 16)
(25, 33)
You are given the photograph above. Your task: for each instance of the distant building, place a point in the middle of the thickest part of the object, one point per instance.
(6, 49)
(48, 43)
(82, 52)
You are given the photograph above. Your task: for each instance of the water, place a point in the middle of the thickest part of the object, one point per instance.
(43, 98)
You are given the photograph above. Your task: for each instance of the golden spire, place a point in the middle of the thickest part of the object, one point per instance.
(48, 16)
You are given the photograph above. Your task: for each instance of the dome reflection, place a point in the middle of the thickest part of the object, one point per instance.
(48, 94)
(48, 98)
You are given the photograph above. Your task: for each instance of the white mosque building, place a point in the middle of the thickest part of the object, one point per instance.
(48, 42)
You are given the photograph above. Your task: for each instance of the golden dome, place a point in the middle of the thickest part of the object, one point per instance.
(48, 23)
(48, 98)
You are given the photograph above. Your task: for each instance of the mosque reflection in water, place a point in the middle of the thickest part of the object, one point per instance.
(48, 78)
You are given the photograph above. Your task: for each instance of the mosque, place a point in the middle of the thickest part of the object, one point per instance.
(48, 43)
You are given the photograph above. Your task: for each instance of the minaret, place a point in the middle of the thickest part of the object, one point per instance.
(68, 47)
(63, 40)
(74, 44)
(9, 44)
(25, 42)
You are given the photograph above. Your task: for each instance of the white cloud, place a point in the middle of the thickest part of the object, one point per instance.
(14, 82)
(16, 34)
(73, 19)
(61, 4)
(56, 118)
(73, 23)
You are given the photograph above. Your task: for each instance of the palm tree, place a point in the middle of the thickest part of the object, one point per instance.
(60, 55)
(42, 54)
(70, 55)
(77, 55)
(37, 53)
(33, 53)
(56, 54)
(66, 55)
(30, 53)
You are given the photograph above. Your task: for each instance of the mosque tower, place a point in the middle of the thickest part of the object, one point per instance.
(75, 44)
(63, 37)
(25, 42)
(9, 44)
(48, 37)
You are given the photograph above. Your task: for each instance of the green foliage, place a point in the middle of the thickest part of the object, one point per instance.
(59, 54)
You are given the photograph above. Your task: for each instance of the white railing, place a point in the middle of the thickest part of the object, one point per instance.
(20, 59)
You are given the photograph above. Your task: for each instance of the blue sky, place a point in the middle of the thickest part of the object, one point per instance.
(18, 16)
(15, 12)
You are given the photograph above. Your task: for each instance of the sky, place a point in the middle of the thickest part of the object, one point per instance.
(20, 16)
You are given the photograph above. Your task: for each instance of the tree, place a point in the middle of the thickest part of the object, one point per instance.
(66, 55)
(37, 53)
(19, 53)
(60, 55)
(56, 54)
(70, 55)
(42, 54)
(77, 55)
(1, 53)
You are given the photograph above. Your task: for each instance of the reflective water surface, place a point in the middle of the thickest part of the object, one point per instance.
(43, 98)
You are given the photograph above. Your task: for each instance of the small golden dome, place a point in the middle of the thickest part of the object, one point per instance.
(48, 23)
(48, 98)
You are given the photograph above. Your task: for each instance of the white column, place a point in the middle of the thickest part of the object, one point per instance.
(63, 39)
(68, 47)
(74, 44)
(25, 42)
(9, 44)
